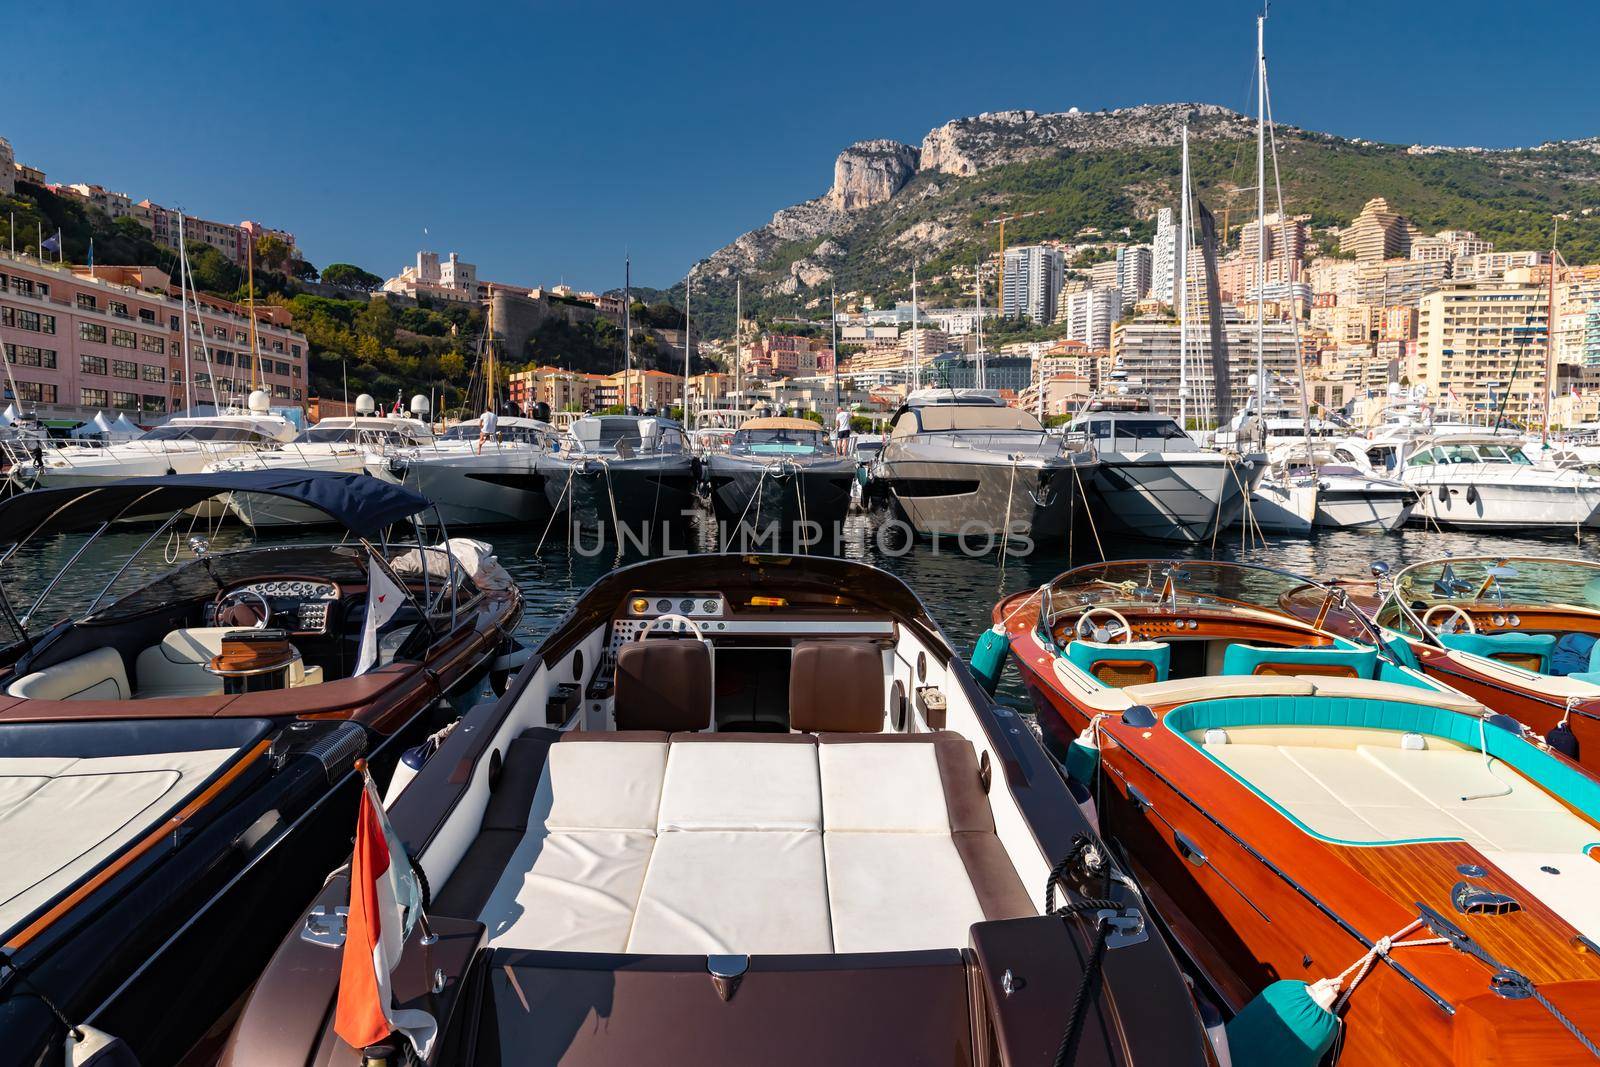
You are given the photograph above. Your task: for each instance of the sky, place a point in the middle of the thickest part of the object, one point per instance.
(547, 142)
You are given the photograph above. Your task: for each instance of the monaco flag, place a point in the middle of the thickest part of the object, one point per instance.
(385, 903)
(384, 598)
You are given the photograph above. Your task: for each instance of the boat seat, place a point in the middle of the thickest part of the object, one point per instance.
(836, 686)
(1529, 651)
(704, 843)
(1322, 661)
(663, 684)
(1115, 665)
(96, 675)
(177, 666)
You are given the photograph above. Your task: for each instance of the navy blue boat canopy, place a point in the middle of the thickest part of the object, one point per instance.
(359, 502)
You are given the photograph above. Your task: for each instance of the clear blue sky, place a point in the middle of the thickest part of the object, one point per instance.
(542, 141)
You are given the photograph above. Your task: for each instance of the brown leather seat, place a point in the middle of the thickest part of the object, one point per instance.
(664, 684)
(836, 686)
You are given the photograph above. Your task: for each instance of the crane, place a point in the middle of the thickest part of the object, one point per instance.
(1001, 222)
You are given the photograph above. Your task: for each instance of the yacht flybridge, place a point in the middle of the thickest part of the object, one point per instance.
(742, 810)
(176, 757)
(961, 463)
(1335, 840)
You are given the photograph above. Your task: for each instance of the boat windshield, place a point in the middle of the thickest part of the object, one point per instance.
(779, 442)
(1493, 582)
(1197, 583)
(1470, 453)
(941, 417)
(203, 577)
(343, 435)
(622, 434)
(1134, 435)
(203, 433)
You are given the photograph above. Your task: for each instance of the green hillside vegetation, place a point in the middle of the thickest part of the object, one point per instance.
(1506, 197)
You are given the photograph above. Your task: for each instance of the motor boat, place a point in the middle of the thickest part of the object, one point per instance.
(476, 482)
(176, 759)
(632, 471)
(782, 475)
(1346, 851)
(714, 429)
(334, 444)
(841, 851)
(182, 445)
(1486, 480)
(1153, 480)
(1284, 501)
(1515, 632)
(1350, 494)
(961, 463)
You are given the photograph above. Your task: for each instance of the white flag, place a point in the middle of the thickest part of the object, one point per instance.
(384, 598)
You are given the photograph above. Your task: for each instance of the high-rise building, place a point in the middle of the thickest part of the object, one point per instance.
(1398, 282)
(1033, 277)
(1495, 264)
(1164, 258)
(1090, 314)
(8, 168)
(1133, 273)
(1377, 233)
(1148, 351)
(1481, 346)
(1103, 275)
(1285, 239)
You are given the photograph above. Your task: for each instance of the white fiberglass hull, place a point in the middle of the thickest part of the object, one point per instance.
(123, 461)
(1363, 503)
(1528, 499)
(1284, 507)
(1173, 496)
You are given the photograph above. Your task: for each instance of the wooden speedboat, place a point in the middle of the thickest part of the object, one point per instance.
(1519, 633)
(175, 761)
(746, 810)
(1310, 814)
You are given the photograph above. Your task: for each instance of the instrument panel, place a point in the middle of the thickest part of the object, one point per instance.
(693, 605)
(298, 604)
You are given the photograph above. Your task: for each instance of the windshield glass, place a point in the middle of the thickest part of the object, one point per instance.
(774, 442)
(325, 435)
(461, 431)
(202, 433)
(1135, 434)
(1492, 582)
(974, 417)
(1198, 583)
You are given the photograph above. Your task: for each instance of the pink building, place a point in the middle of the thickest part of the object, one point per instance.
(109, 341)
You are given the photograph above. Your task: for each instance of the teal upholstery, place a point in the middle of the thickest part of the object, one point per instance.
(1244, 659)
(1085, 654)
(1592, 677)
(1488, 645)
(1561, 777)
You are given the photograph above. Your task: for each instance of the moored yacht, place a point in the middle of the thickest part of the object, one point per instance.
(473, 481)
(1350, 493)
(1349, 853)
(342, 444)
(1486, 479)
(176, 753)
(736, 810)
(780, 472)
(635, 471)
(1155, 481)
(961, 463)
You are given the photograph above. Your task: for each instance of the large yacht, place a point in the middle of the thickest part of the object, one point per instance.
(635, 471)
(1486, 479)
(341, 444)
(780, 472)
(475, 482)
(1155, 481)
(961, 463)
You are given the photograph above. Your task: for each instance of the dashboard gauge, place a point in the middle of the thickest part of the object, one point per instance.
(663, 605)
(709, 607)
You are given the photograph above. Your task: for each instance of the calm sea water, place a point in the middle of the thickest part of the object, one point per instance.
(958, 589)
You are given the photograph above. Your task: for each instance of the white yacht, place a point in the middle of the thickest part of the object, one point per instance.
(489, 483)
(1351, 493)
(341, 444)
(181, 445)
(1486, 479)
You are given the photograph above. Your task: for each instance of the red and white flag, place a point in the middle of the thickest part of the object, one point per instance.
(384, 598)
(385, 903)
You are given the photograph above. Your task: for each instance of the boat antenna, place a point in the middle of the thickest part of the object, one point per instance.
(688, 343)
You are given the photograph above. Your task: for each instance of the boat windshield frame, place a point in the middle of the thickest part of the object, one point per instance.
(1452, 583)
(779, 442)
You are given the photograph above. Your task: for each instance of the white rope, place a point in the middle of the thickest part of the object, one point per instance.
(760, 480)
(1005, 532)
(555, 511)
(1327, 991)
(1000, 627)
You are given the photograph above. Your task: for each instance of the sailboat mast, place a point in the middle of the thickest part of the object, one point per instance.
(833, 322)
(688, 281)
(738, 342)
(916, 357)
(183, 329)
(1181, 264)
(255, 345)
(1550, 338)
(1261, 224)
(627, 329)
(977, 303)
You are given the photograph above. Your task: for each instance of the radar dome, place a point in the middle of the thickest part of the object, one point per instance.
(260, 402)
(419, 405)
(365, 405)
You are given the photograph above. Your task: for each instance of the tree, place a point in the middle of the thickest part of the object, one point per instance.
(350, 276)
(273, 252)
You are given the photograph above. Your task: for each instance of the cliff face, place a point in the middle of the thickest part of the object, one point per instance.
(870, 172)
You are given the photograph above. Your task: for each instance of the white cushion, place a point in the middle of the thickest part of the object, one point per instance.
(1366, 688)
(722, 891)
(97, 675)
(894, 892)
(571, 892)
(1183, 690)
(732, 785)
(882, 787)
(600, 785)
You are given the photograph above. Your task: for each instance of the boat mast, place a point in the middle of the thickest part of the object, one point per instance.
(1550, 337)
(977, 290)
(183, 329)
(627, 329)
(916, 361)
(255, 344)
(1261, 226)
(738, 342)
(1181, 264)
(833, 319)
(687, 347)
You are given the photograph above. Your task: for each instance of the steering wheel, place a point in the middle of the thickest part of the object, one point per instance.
(678, 622)
(1085, 629)
(1464, 624)
(236, 599)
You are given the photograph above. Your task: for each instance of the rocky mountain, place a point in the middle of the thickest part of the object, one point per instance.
(1106, 173)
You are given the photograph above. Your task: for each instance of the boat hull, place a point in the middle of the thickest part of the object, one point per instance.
(1168, 497)
(1364, 509)
(758, 496)
(502, 490)
(1281, 508)
(638, 494)
(1506, 505)
(982, 500)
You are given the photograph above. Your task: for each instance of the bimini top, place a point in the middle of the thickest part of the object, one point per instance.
(362, 504)
(782, 422)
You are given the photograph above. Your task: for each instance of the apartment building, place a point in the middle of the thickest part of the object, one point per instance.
(1397, 282)
(1164, 258)
(1090, 314)
(83, 339)
(1286, 238)
(1033, 278)
(647, 390)
(1481, 346)
(1377, 233)
(778, 355)
(1451, 246)
(1149, 352)
(234, 242)
(8, 168)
